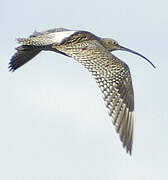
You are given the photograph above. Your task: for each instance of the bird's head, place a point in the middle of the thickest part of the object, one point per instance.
(112, 45)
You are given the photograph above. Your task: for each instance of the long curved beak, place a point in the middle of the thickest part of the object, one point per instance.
(134, 52)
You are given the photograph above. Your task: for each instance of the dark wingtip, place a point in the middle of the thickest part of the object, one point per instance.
(23, 55)
(129, 151)
(11, 66)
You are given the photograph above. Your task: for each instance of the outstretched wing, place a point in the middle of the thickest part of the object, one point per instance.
(36, 42)
(23, 55)
(114, 79)
(46, 38)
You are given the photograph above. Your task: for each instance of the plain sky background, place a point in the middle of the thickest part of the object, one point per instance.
(53, 121)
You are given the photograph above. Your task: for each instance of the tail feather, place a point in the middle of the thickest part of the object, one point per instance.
(22, 56)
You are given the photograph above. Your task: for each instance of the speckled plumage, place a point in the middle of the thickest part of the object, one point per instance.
(111, 74)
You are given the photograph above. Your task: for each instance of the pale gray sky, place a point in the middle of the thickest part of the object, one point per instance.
(54, 124)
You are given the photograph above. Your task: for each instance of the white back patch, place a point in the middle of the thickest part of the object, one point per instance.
(58, 37)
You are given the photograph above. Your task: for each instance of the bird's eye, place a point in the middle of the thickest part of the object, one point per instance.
(115, 42)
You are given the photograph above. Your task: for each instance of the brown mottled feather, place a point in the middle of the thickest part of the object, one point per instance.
(114, 79)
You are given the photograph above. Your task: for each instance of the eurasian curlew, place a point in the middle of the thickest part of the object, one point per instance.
(112, 75)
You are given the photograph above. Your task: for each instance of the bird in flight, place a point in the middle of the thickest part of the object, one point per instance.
(112, 74)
